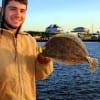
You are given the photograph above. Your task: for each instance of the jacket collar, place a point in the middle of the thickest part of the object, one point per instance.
(20, 32)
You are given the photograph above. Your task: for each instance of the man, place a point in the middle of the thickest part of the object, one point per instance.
(20, 62)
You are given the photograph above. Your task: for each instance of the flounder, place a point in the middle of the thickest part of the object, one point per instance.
(68, 49)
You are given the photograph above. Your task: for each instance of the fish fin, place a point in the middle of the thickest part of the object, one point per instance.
(93, 63)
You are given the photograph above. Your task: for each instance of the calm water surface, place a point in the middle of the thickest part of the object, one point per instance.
(72, 82)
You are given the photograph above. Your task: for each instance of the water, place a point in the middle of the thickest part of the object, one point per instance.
(72, 82)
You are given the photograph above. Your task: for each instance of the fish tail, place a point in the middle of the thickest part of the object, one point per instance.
(93, 63)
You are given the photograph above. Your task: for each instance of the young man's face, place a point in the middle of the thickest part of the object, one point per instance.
(15, 14)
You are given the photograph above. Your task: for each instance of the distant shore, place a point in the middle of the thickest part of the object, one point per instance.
(85, 40)
(44, 36)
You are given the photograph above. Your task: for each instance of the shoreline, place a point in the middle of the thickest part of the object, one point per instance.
(87, 40)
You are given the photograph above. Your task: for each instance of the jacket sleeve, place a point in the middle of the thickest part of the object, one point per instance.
(42, 71)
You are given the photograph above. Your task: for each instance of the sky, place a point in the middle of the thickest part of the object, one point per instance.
(68, 14)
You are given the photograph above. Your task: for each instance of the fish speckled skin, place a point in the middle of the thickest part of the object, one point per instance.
(68, 49)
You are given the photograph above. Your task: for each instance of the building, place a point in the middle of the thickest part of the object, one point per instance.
(80, 31)
(54, 29)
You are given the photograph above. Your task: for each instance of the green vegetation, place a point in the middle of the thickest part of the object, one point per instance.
(47, 35)
(42, 34)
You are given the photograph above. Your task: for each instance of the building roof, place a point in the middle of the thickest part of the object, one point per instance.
(54, 28)
(80, 29)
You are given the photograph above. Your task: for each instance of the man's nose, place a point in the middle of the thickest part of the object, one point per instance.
(18, 12)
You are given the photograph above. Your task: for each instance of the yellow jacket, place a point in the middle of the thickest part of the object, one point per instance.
(19, 68)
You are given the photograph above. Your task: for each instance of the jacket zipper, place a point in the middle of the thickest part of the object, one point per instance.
(19, 70)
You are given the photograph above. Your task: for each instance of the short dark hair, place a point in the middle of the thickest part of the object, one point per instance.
(5, 2)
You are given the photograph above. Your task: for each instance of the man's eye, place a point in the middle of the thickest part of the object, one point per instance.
(23, 11)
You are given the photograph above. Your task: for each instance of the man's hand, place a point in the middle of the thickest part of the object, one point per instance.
(43, 60)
